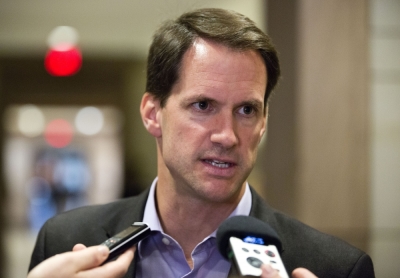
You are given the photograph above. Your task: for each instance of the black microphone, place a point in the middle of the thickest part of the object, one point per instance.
(248, 243)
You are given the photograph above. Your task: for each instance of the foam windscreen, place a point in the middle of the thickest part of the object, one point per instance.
(243, 227)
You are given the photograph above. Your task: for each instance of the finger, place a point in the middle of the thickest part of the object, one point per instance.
(86, 258)
(114, 269)
(69, 263)
(78, 247)
(302, 273)
(269, 272)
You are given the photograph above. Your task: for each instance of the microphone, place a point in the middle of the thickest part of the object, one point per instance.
(248, 243)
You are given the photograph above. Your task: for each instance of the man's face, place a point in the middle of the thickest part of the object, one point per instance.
(212, 122)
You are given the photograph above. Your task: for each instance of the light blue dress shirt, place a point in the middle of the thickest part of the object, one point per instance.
(161, 256)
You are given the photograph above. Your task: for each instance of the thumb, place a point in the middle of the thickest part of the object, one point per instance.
(78, 247)
(302, 273)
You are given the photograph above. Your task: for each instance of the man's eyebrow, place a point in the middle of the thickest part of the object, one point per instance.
(253, 102)
(197, 98)
(200, 97)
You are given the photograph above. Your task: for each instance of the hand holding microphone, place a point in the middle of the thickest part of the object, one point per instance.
(249, 243)
(83, 262)
(253, 248)
(95, 261)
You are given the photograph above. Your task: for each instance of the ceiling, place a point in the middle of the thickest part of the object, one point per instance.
(115, 28)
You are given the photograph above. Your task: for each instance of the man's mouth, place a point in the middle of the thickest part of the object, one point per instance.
(217, 163)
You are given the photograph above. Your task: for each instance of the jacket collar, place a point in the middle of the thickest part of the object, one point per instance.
(131, 210)
(261, 210)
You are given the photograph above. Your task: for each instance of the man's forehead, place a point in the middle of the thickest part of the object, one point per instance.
(204, 54)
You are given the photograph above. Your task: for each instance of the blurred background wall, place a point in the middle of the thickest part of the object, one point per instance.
(333, 143)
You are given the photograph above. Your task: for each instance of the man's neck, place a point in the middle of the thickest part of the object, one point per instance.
(187, 219)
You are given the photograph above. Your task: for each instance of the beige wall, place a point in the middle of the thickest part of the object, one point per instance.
(333, 150)
(385, 136)
(317, 165)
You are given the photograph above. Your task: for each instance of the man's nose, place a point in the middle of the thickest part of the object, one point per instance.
(224, 131)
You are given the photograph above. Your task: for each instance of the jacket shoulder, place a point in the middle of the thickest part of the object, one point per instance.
(303, 246)
(323, 254)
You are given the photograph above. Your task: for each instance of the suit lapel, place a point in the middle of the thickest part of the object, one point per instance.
(261, 210)
(131, 211)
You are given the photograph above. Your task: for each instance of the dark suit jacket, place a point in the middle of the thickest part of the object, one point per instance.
(303, 246)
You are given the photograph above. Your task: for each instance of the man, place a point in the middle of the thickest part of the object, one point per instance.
(210, 73)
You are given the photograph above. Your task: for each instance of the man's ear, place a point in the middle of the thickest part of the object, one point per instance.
(149, 110)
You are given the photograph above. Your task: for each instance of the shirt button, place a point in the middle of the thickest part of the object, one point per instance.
(166, 241)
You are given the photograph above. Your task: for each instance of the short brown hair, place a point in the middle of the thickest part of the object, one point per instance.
(175, 37)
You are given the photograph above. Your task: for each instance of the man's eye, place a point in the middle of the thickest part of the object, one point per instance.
(247, 110)
(201, 105)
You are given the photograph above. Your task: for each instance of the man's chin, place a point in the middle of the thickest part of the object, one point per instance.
(219, 194)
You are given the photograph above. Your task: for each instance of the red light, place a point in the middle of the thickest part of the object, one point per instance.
(64, 62)
(58, 133)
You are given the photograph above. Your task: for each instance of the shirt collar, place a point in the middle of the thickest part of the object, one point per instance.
(151, 216)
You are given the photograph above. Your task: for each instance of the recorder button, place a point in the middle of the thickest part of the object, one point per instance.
(166, 241)
(254, 262)
(270, 253)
